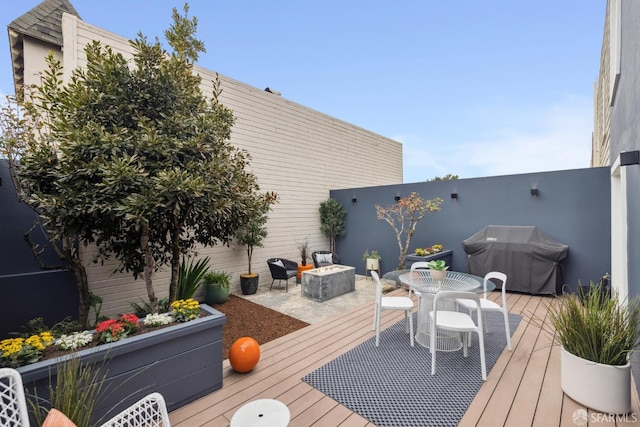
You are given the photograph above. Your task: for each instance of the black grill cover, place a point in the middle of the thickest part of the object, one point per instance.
(529, 258)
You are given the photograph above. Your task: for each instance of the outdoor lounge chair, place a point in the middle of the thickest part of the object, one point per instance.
(324, 258)
(282, 269)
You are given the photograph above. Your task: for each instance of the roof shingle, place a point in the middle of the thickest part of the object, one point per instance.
(44, 22)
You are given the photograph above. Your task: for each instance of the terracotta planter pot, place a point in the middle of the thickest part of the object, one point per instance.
(302, 268)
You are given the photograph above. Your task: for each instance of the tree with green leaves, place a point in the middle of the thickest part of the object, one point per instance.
(135, 158)
(332, 215)
(447, 177)
(403, 217)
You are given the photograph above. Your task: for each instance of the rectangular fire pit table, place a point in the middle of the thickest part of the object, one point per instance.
(322, 284)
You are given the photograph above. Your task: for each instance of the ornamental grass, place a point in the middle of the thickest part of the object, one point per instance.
(596, 326)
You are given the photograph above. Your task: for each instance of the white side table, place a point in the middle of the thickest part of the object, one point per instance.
(262, 412)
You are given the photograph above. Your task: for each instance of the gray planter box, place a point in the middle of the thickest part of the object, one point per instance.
(445, 255)
(183, 362)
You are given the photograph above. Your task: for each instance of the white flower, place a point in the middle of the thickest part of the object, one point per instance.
(75, 340)
(157, 319)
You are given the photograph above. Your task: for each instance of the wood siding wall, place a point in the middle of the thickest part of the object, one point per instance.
(297, 152)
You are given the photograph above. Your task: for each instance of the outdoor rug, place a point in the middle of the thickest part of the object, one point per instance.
(392, 385)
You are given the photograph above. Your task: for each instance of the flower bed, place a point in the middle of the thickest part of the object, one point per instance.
(182, 361)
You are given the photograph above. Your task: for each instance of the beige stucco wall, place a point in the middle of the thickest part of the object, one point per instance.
(35, 53)
(297, 152)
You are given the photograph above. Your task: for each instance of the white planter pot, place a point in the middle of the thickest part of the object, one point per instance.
(604, 388)
(373, 264)
(438, 274)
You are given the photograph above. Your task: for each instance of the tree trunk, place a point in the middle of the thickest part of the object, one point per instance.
(82, 284)
(148, 267)
(175, 260)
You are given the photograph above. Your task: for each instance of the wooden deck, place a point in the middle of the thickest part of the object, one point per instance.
(522, 389)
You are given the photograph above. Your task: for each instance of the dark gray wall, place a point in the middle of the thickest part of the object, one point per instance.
(27, 291)
(625, 136)
(625, 130)
(573, 207)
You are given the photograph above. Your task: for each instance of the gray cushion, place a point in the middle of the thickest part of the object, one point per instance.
(279, 263)
(324, 258)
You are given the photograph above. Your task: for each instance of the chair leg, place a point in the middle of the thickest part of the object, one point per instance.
(506, 328)
(486, 324)
(432, 347)
(377, 327)
(271, 287)
(483, 363)
(375, 316)
(410, 327)
(406, 321)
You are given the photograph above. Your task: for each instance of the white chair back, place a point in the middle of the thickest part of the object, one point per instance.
(13, 406)
(151, 410)
(376, 279)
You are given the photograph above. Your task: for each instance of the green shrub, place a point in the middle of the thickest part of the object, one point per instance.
(220, 278)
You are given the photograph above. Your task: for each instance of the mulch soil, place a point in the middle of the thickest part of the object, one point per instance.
(248, 319)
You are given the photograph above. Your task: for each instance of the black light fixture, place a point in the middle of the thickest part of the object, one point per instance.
(454, 196)
(534, 192)
(397, 198)
(354, 200)
(628, 158)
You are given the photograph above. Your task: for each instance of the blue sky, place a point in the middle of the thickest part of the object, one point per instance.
(468, 87)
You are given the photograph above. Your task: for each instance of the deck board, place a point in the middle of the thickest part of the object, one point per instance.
(523, 388)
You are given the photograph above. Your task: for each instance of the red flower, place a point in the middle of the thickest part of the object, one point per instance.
(104, 326)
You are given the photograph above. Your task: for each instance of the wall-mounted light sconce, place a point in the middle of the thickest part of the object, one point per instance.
(628, 158)
(534, 192)
(454, 196)
(397, 198)
(354, 200)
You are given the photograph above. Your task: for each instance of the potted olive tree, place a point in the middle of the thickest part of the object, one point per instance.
(252, 235)
(597, 336)
(217, 285)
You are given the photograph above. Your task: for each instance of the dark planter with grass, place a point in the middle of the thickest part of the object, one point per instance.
(183, 362)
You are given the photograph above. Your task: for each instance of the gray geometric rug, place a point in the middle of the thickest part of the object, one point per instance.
(392, 385)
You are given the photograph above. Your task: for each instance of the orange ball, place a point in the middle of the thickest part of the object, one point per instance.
(244, 354)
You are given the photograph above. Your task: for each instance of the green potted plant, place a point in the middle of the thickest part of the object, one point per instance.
(217, 287)
(252, 235)
(372, 260)
(597, 335)
(438, 269)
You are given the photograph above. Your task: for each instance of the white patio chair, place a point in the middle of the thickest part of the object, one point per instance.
(150, 411)
(391, 303)
(418, 265)
(491, 306)
(13, 406)
(455, 321)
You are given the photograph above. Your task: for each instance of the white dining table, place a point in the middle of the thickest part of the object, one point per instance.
(422, 282)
